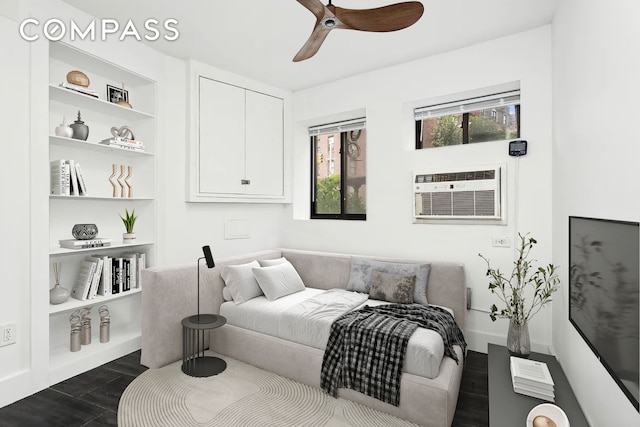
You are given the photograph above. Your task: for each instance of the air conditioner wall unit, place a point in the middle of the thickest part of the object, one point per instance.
(464, 193)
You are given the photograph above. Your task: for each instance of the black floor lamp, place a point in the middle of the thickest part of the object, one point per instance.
(194, 361)
(204, 318)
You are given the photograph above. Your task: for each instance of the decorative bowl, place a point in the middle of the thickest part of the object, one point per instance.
(552, 412)
(79, 78)
(84, 231)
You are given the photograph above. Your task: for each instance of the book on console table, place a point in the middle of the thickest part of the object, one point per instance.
(532, 378)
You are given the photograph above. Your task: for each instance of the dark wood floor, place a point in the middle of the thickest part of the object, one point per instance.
(91, 399)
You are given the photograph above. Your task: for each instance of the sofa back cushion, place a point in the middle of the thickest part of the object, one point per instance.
(362, 269)
(320, 270)
(446, 284)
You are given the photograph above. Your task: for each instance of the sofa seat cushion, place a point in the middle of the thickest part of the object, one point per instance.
(425, 350)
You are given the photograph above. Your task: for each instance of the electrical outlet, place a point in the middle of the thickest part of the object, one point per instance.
(8, 334)
(501, 242)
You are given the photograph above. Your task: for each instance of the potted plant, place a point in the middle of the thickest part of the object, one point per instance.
(129, 221)
(523, 292)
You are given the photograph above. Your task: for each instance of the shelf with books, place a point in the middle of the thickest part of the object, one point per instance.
(77, 143)
(81, 101)
(57, 251)
(73, 304)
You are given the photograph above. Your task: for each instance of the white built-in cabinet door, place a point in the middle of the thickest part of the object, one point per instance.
(240, 141)
(264, 163)
(221, 137)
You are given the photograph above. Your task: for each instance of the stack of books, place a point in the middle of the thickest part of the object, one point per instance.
(79, 89)
(67, 178)
(124, 143)
(532, 378)
(102, 275)
(84, 244)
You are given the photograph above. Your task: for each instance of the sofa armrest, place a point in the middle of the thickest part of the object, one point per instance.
(169, 294)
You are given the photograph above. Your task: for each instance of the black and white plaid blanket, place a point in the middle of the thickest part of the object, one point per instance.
(366, 347)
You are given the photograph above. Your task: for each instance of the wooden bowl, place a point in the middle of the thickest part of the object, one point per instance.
(79, 78)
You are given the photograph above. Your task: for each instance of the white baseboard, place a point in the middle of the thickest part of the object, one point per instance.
(16, 387)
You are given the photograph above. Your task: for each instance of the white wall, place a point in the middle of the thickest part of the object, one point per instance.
(14, 211)
(596, 154)
(186, 227)
(387, 96)
(24, 115)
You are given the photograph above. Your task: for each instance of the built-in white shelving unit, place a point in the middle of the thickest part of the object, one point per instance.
(99, 206)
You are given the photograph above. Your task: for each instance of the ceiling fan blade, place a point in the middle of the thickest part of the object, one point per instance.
(313, 44)
(315, 6)
(381, 19)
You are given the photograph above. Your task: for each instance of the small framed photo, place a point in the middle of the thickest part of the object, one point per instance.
(115, 94)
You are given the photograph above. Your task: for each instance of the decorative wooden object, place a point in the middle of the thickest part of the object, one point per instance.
(113, 180)
(122, 101)
(77, 77)
(126, 181)
(123, 185)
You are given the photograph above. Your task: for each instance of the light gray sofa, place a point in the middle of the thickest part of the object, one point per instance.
(169, 295)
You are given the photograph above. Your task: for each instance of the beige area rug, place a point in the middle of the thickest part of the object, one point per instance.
(242, 395)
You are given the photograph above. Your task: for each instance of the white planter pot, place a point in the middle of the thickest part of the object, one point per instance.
(128, 238)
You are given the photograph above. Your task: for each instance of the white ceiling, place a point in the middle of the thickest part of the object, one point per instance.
(259, 38)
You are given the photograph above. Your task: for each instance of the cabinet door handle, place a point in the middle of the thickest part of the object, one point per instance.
(245, 181)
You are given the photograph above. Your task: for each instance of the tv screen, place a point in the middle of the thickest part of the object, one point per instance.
(604, 290)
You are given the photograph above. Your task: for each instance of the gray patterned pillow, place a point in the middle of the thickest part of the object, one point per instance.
(396, 288)
(360, 276)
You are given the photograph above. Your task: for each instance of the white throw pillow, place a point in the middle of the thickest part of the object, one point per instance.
(270, 262)
(279, 280)
(241, 282)
(226, 294)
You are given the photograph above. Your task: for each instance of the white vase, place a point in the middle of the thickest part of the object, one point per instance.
(58, 294)
(64, 130)
(128, 238)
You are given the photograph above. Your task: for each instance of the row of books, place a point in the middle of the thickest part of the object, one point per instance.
(532, 378)
(97, 242)
(105, 275)
(80, 89)
(124, 143)
(67, 178)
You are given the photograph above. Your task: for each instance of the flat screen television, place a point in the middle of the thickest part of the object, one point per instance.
(604, 294)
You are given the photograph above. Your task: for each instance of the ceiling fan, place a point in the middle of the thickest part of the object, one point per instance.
(381, 19)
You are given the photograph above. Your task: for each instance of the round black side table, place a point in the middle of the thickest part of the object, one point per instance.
(194, 362)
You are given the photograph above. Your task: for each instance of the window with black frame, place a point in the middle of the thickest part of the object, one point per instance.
(492, 117)
(338, 168)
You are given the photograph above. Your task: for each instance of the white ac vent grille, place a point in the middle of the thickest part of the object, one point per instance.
(473, 194)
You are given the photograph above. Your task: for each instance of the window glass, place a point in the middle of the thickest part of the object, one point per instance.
(339, 185)
(492, 117)
(327, 181)
(356, 172)
(494, 124)
(441, 131)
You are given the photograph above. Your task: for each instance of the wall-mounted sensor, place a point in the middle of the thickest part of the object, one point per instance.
(518, 147)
